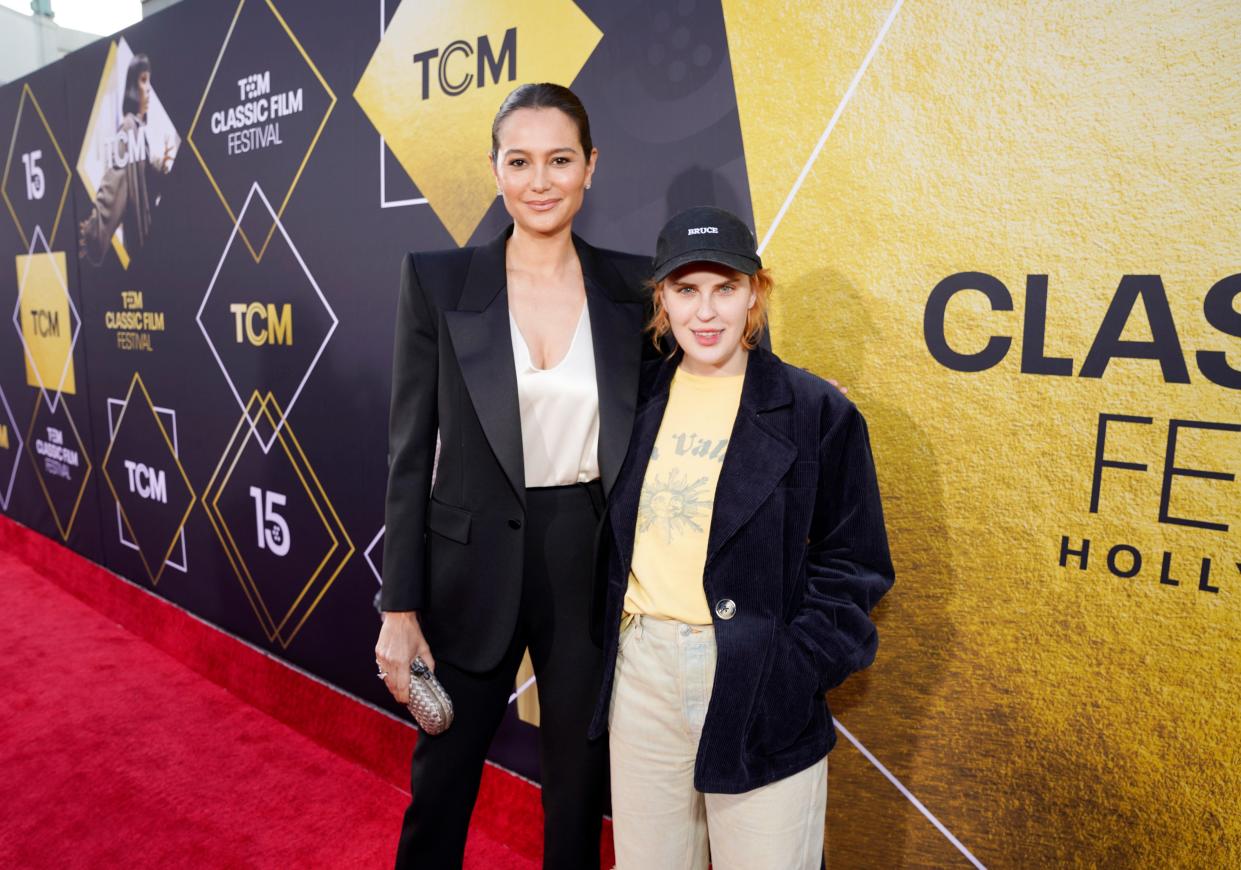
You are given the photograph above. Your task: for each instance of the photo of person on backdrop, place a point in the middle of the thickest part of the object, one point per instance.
(745, 549)
(523, 355)
(129, 164)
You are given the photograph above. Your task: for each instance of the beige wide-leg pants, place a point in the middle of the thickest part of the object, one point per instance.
(664, 675)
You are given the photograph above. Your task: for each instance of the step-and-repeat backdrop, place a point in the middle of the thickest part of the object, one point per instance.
(1011, 230)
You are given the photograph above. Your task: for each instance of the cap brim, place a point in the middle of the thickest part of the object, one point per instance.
(743, 264)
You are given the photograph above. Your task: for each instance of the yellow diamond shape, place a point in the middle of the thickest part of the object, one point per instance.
(163, 561)
(333, 560)
(28, 95)
(440, 72)
(47, 322)
(189, 137)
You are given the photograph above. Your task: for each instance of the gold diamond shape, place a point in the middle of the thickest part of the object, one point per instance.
(306, 475)
(552, 40)
(49, 360)
(63, 527)
(28, 94)
(189, 137)
(103, 466)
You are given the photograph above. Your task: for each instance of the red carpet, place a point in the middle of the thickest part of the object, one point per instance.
(116, 749)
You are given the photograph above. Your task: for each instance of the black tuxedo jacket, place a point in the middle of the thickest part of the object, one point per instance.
(454, 553)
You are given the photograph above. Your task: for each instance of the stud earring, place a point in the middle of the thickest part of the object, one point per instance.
(588, 185)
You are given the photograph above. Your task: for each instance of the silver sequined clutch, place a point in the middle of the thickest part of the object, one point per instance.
(429, 704)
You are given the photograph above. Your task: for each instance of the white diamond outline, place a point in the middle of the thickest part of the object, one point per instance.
(383, 146)
(908, 795)
(176, 451)
(831, 125)
(366, 554)
(198, 318)
(73, 310)
(21, 444)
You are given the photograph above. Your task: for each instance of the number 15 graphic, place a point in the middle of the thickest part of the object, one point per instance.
(271, 527)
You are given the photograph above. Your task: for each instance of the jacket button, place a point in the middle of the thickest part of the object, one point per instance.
(514, 524)
(725, 608)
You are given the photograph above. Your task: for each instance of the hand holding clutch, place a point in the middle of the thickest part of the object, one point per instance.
(429, 704)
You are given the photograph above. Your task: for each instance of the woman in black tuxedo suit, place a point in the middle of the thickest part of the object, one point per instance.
(523, 354)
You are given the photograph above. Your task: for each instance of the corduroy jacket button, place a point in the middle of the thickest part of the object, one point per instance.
(514, 524)
(725, 608)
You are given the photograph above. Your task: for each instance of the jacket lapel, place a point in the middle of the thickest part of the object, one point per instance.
(483, 345)
(482, 342)
(758, 456)
(615, 327)
(623, 504)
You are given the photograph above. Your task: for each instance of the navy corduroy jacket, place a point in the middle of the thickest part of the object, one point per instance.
(797, 544)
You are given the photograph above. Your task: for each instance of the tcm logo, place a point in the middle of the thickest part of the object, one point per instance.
(455, 77)
(435, 82)
(263, 324)
(698, 231)
(150, 483)
(129, 146)
(45, 324)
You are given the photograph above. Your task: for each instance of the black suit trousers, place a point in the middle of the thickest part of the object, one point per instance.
(554, 623)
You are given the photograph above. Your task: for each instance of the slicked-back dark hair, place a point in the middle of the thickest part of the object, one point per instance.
(543, 95)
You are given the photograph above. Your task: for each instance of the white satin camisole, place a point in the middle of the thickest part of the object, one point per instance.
(559, 410)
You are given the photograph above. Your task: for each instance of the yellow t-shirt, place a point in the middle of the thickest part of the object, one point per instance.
(678, 495)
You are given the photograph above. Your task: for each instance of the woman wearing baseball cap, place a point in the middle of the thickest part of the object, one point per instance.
(746, 549)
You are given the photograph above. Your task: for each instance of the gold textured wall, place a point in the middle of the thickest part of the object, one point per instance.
(1044, 715)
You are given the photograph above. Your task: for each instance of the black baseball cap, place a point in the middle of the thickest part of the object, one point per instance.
(705, 233)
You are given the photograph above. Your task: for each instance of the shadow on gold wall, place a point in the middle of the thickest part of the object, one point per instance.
(886, 706)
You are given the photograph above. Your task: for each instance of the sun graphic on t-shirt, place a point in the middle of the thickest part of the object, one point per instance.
(672, 504)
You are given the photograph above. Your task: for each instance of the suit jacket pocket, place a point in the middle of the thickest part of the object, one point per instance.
(785, 708)
(451, 522)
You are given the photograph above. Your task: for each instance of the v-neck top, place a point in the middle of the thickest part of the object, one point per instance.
(559, 410)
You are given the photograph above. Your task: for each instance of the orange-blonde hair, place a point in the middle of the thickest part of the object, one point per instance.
(755, 319)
